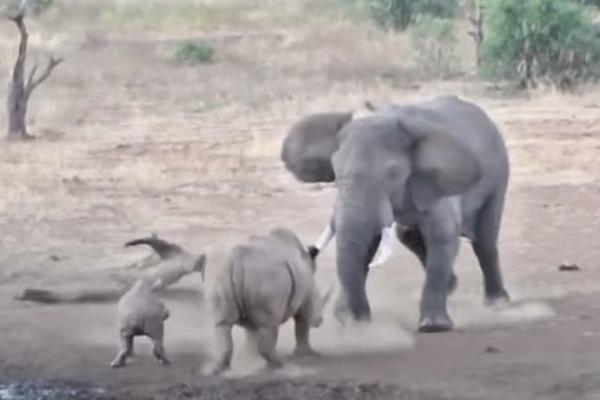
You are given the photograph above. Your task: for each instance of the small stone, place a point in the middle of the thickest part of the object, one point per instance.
(54, 257)
(569, 267)
(492, 349)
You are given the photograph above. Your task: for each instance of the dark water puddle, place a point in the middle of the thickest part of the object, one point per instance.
(50, 391)
(295, 390)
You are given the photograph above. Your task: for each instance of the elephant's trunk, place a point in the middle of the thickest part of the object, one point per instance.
(358, 232)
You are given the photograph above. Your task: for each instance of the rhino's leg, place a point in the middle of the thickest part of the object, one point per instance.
(225, 346)
(125, 349)
(302, 331)
(267, 341)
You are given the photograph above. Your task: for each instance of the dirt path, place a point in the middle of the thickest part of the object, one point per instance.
(545, 345)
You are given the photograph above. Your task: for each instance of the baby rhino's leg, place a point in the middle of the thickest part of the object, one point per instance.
(125, 349)
(267, 341)
(156, 332)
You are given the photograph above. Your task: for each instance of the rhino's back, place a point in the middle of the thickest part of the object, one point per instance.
(135, 308)
(266, 285)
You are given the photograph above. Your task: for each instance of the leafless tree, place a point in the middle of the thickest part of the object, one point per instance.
(476, 31)
(20, 89)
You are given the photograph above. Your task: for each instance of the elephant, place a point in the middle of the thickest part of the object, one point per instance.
(433, 172)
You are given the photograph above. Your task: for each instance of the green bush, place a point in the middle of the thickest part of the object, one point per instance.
(434, 41)
(589, 2)
(34, 7)
(399, 14)
(537, 41)
(38, 7)
(194, 52)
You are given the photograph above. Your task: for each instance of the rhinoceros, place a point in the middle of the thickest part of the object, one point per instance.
(266, 281)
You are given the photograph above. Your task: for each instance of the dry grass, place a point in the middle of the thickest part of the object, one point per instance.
(121, 121)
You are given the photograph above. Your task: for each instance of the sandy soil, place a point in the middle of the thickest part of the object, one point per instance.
(126, 149)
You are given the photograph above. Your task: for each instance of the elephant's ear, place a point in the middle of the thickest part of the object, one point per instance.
(442, 165)
(307, 149)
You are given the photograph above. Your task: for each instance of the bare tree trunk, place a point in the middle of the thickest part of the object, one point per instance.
(476, 31)
(20, 89)
(17, 101)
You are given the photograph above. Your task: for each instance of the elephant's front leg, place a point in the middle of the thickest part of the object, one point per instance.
(412, 239)
(441, 234)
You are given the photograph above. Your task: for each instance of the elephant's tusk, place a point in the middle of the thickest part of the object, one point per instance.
(325, 238)
(385, 248)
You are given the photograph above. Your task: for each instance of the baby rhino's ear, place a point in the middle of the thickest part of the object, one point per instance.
(313, 252)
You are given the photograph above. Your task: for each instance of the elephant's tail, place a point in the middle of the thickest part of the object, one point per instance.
(163, 248)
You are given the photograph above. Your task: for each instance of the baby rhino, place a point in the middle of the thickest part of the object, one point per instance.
(140, 313)
(266, 281)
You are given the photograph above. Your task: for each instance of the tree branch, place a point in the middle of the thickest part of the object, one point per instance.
(34, 81)
(32, 74)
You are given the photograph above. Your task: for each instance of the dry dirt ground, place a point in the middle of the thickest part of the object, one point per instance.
(130, 143)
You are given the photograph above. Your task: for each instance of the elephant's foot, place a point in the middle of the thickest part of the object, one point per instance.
(496, 298)
(274, 364)
(440, 322)
(219, 369)
(306, 352)
(117, 363)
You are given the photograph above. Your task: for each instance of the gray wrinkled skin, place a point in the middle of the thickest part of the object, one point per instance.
(175, 263)
(438, 169)
(140, 313)
(266, 281)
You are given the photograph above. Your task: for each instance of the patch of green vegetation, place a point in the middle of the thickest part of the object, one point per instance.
(194, 52)
(435, 43)
(190, 15)
(535, 41)
(34, 7)
(165, 15)
(399, 14)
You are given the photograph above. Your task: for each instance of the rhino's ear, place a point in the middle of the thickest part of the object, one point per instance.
(441, 165)
(307, 149)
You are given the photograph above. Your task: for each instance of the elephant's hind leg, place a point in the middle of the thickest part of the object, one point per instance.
(412, 239)
(486, 249)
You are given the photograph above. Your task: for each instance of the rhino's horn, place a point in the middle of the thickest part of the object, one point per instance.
(163, 248)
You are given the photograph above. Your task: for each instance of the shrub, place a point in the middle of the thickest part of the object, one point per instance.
(194, 52)
(539, 40)
(434, 41)
(35, 7)
(38, 7)
(399, 14)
